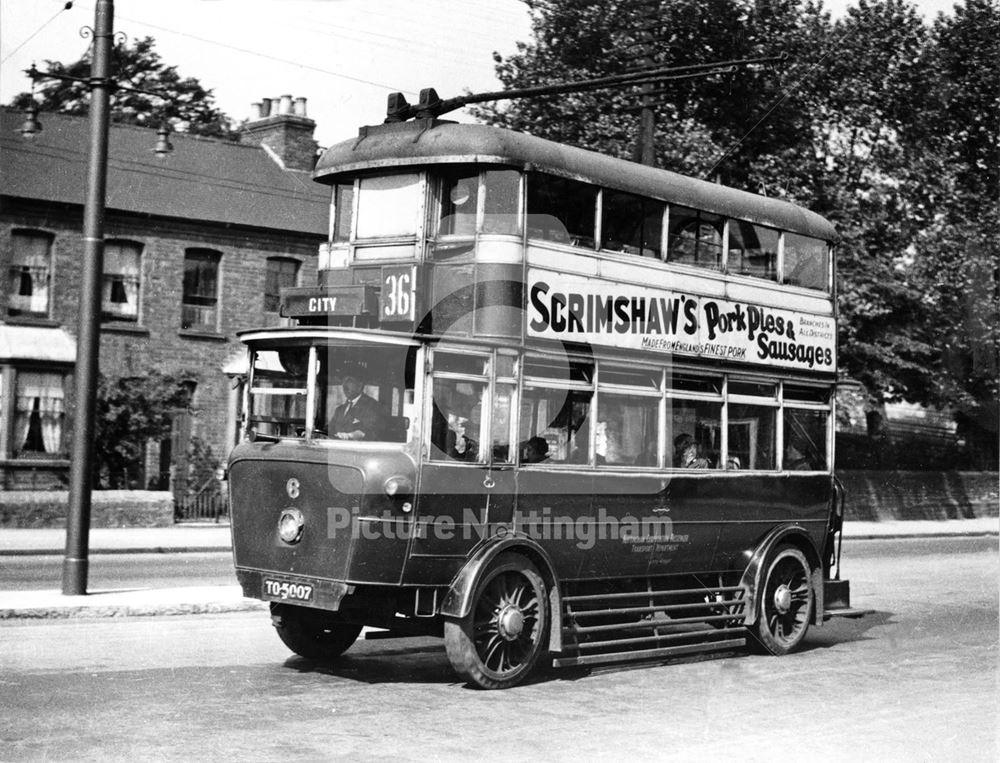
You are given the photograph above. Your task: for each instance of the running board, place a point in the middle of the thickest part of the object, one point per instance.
(852, 612)
(646, 654)
(652, 618)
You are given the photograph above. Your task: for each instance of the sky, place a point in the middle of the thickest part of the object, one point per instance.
(344, 56)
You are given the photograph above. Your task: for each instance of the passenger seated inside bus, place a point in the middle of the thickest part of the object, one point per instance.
(534, 450)
(359, 417)
(607, 443)
(686, 453)
(797, 457)
(455, 420)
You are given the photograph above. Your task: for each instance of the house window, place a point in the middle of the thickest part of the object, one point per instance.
(282, 273)
(39, 412)
(29, 274)
(199, 307)
(120, 287)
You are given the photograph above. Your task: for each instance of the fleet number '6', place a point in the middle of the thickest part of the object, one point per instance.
(398, 295)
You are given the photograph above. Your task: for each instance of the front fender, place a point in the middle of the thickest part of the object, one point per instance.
(751, 580)
(458, 601)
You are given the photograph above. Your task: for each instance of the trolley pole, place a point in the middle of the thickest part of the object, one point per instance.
(75, 564)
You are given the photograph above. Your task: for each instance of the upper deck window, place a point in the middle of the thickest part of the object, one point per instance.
(753, 250)
(631, 224)
(389, 205)
(695, 238)
(502, 205)
(459, 202)
(343, 203)
(561, 210)
(806, 262)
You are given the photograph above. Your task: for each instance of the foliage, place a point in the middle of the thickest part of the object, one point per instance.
(882, 121)
(202, 464)
(129, 413)
(184, 103)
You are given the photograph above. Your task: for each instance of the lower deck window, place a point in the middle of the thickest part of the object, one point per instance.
(752, 437)
(555, 425)
(805, 440)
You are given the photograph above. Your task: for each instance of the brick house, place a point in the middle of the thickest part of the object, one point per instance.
(198, 242)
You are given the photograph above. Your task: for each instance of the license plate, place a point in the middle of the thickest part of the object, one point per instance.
(284, 590)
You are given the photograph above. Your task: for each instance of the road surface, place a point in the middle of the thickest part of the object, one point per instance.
(914, 680)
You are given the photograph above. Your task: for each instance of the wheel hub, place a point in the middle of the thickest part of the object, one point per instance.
(511, 623)
(783, 598)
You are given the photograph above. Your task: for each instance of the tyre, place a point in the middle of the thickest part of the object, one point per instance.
(786, 601)
(313, 633)
(499, 642)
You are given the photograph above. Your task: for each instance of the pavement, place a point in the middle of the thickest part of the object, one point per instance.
(18, 605)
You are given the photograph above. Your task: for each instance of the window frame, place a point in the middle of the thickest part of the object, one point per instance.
(215, 256)
(137, 248)
(280, 260)
(49, 274)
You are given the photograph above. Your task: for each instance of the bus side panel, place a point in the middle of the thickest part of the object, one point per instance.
(555, 509)
(754, 505)
(452, 511)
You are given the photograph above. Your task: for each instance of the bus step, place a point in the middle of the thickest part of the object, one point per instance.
(852, 612)
(837, 594)
(645, 654)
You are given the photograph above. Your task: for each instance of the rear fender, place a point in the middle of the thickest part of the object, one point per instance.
(751, 582)
(458, 601)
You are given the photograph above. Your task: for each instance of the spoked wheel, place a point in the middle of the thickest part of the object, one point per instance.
(313, 633)
(498, 643)
(786, 601)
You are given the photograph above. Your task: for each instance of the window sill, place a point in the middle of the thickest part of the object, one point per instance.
(210, 336)
(120, 327)
(30, 320)
(35, 460)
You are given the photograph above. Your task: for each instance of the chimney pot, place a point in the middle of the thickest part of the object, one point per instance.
(255, 111)
(300, 107)
(265, 107)
(286, 105)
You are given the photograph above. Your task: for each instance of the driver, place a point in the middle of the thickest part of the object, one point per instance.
(359, 417)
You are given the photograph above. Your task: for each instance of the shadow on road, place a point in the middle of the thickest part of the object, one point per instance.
(422, 660)
(841, 630)
(407, 660)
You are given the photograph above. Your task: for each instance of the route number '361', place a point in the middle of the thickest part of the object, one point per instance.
(398, 292)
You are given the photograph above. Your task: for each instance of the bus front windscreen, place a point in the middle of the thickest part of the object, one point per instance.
(363, 392)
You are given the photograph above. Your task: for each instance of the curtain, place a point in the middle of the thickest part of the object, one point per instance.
(41, 395)
(120, 289)
(28, 283)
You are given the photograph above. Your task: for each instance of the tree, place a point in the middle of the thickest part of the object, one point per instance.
(129, 413)
(956, 142)
(184, 103)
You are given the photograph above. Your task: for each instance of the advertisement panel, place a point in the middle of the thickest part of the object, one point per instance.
(577, 309)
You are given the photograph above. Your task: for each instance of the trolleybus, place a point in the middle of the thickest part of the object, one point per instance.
(544, 403)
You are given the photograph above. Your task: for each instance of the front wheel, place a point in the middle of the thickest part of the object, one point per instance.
(786, 601)
(498, 643)
(313, 633)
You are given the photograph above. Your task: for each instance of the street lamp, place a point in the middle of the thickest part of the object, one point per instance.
(75, 563)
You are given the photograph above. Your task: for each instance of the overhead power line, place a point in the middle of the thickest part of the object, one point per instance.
(34, 34)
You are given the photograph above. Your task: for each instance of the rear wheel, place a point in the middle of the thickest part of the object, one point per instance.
(786, 603)
(313, 633)
(498, 643)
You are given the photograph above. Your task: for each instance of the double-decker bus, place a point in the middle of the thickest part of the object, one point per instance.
(543, 402)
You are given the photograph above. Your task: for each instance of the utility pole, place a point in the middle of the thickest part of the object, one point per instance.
(75, 564)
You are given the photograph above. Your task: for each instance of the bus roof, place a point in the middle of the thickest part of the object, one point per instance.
(425, 142)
